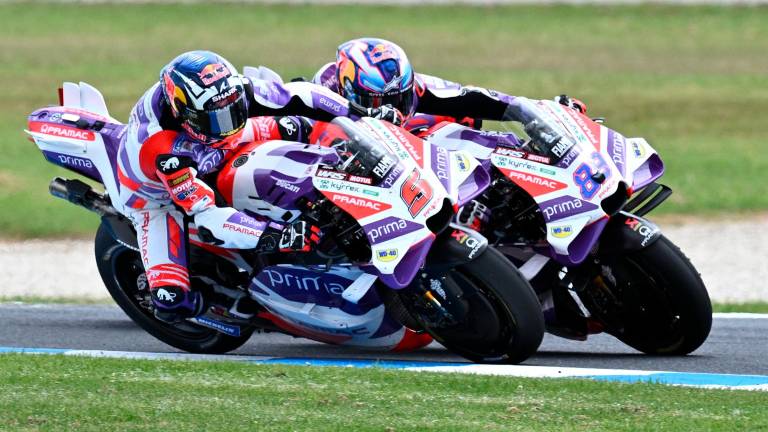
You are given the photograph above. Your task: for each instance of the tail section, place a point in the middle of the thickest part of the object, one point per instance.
(80, 135)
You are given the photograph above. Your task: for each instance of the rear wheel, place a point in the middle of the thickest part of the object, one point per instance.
(122, 272)
(658, 303)
(495, 316)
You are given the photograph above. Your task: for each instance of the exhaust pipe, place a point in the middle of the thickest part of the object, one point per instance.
(79, 193)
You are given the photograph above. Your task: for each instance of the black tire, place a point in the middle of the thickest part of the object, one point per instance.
(120, 269)
(503, 324)
(666, 308)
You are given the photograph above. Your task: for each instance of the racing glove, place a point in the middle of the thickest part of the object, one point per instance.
(474, 215)
(387, 113)
(572, 103)
(298, 236)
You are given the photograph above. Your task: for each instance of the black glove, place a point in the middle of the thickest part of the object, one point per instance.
(474, 215)
(387, 113)
(572, 103)
(299, 236)
(294, 128)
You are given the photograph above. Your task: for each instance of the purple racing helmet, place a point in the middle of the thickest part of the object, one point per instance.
(374, 72)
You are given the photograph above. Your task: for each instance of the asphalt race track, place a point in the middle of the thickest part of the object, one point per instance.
(735, 346)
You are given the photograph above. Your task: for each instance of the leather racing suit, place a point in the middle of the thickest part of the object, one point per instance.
(159, 169)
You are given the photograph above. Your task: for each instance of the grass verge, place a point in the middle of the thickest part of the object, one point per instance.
(690, 79)
(55, 300)
(747, 307)
(67, 393)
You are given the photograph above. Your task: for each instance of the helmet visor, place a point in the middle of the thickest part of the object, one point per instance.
(402, 101)
(219, 123)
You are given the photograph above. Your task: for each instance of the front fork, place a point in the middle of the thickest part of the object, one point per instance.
(431, 289)
(581, 300)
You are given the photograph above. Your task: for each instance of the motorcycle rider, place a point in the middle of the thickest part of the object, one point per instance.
(184, 127)
(374, 72)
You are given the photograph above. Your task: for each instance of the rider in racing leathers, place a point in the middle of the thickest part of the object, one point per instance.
(374, 72)
(184, 127)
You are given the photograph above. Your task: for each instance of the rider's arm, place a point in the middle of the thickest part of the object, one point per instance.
(166, 157)
(297, 98)
(286, 128)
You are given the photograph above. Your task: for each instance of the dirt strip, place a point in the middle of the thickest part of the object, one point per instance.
(731, 257)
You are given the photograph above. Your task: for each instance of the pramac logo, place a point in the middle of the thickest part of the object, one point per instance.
(357, 206)
(62, 131)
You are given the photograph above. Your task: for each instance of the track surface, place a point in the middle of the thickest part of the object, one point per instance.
(736, 345)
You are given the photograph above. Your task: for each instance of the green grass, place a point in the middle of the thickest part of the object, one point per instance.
(691, 79)
(66, 393)
(748, 307)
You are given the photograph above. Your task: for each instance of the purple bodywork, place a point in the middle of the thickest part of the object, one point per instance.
(111, 134)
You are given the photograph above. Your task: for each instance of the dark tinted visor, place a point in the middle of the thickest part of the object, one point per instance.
(219, 123)
(402, 101)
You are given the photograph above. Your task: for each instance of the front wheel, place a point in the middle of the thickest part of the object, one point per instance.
(659, 303)
(495, 315)
(122, 272)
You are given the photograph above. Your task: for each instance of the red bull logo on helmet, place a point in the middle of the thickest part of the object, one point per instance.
(213, 72)
(381, 52)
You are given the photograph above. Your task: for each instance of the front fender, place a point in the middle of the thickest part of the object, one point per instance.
(455, 246)
(627, 232)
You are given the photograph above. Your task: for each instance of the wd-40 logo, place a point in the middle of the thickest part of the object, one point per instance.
(358, 207)
(386, 255)
(462, 161)
(562, 231)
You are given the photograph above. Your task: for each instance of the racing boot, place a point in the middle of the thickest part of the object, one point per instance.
(174, 304)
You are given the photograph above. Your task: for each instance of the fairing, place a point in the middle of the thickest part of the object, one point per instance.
(567, 188)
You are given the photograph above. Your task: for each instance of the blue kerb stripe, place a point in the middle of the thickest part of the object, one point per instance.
(697, 379)
(33, 350)
(356, 363)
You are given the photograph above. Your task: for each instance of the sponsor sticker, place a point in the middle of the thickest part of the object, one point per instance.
(386, 255)
(62, 131)
(562, 231)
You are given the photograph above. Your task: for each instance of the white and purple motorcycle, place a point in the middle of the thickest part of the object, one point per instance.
(567, 207)
(391, 272)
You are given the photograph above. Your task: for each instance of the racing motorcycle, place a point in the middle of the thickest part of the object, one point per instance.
(567, 206)
(391, 272)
